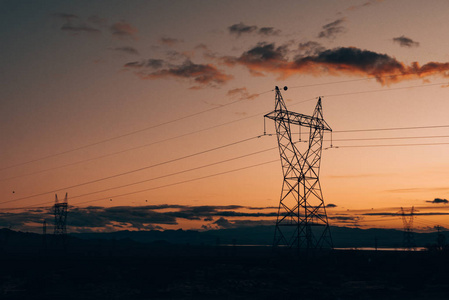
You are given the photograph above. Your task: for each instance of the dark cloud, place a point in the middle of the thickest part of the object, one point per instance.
(123, 30)
(97, 218)
(310, 48)
(242, 94)
(331, 205)
(169, 41)
(268, 31)
(438, 201)
(240, 28)
(127, 49)
(366, 4)
(65, 16)
(223, 223)
(79, 28)
(405, 42)
(149, 63)
(201, 74)
(331, 30)
(264, 57)
(267, 58)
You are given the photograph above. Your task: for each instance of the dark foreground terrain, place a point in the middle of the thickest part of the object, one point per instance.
(186, 272)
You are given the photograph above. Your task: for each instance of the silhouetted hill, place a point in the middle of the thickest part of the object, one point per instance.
(343, 237)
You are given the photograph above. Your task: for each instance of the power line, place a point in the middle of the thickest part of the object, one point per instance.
(390, 138)
(129, 149)
(392, 128)
(154, 188)
(133, 171)
(388, 145)
(175, 173)
(126, 134)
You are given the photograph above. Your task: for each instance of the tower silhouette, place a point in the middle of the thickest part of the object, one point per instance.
(302, 220)
(60, 226)
(407, 220)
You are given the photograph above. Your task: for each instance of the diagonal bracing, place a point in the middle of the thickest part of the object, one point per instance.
(302, 220)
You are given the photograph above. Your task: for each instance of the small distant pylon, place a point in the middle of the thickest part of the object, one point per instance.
(60, 228)
(409, 235)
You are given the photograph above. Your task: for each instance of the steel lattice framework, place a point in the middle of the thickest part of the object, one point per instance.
(409, 236)
(302, 220)
(60, 211)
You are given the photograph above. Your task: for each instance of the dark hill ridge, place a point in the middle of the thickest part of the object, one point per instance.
(343, 237)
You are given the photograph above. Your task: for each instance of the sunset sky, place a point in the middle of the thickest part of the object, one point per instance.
(149, 113)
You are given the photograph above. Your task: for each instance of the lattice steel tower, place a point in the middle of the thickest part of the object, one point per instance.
(60, 211)
(409, 236)
(302, 220)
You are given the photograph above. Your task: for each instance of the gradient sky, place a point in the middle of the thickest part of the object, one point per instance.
(100, 75)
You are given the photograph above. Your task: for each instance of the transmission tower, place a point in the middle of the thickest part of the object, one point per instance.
(302, 220)
(407, 220)
(60, 228)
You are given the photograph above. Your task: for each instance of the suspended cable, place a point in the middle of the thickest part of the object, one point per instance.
(133, 171)
(389, 145)
(152, 188)
(127, 134)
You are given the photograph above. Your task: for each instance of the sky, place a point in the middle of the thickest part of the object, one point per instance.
(149, 114)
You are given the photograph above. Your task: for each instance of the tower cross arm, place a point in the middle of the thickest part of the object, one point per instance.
(298, 119)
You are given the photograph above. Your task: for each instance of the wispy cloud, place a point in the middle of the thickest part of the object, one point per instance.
(405, 42)
(127, 50)
(240, 28)
(242, 94)
(366, 4)
(123, 30)
(169, 41)
(331, 30)
(201, 74)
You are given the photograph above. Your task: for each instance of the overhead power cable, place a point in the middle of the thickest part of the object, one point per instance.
(152, 188)
(389, 145)
(133, 171)
(126, 134)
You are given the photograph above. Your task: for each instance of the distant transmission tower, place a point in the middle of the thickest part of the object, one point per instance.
(302, 220)
(407, 220)
(60, 211)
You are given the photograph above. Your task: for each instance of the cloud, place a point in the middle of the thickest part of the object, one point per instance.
(97, 218)
(73, 24)
(123, 30)
(169, 41)
(268, 31)
(201, 74)
(331, 205)
(242, 94)
(127, 50)
(405, 42)
(223, 223)
(65, 16)
(331, 30)
(310, 48)
(149, 63)
(264, 57)
(438, 201)
(240, 28)
(368, 3)
(79, 28)
(267, 58)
